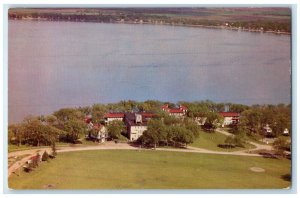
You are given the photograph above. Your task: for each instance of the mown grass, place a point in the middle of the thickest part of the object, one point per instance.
(13, 147)
(211, 140)
(121, 169)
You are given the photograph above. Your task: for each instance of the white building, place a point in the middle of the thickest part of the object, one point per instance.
(200, 120)
(230, 118)
(136, 124)
(109, 117)
(102, 134)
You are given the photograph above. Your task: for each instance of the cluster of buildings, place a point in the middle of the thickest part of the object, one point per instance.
(137, 123)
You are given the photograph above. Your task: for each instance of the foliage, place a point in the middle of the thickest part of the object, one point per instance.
(213, 121)
(281, 145)
(170, 131)
(256, 118)
(233, 141)
(72, 130)
(98, 111)
(33, 131)
(115, 128)
(66, 114)
(53, 148)
(45, 156)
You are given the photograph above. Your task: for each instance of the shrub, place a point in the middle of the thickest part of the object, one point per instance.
(45, 156)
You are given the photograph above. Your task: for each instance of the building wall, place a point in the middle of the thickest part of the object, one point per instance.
(177, 115)
(112, 119)
(136, 131)
(227, 121)
(230, 120)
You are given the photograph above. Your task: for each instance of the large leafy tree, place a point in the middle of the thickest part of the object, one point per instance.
(73, 129)
(98, 111)
(66, 114)
(115, 128)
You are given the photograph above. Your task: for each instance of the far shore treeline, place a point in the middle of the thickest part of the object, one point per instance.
(261, 19)
(68, 124)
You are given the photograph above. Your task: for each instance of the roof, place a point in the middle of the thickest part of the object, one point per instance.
(147, 115)
(229, 114)
(130, 119)
(175, 110)
(114, 115)
(181, 109)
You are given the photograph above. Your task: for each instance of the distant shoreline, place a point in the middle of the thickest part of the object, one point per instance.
(166, 24)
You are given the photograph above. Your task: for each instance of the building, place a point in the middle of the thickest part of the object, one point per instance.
(102, 133)
(268, 130)
(200, 120)
(109, 117)
(230, 118)
(177, 112)
(136, 124)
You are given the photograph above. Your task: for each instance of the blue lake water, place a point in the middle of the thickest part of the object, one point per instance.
(69, 64)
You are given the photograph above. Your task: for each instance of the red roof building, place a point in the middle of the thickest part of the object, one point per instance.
(230, 118)
(108, 117)
(178, 112)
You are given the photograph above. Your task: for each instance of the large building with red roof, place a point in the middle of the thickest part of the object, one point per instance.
(230, 118)
(109, 117)
(177, 112)
(136, 123)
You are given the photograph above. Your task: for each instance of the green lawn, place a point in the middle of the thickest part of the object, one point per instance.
(13, 147)
(211, 140)
(120, 169)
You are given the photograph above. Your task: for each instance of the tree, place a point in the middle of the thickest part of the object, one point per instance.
(16, 134)
(230, 141)
(45, 156)
(53, 148)
(115, 128)
(51, 120)
(281, 145)
(73, 129)
(213, 121)
(149, 138)
(66, 114)
(181, 135)
(98, 111)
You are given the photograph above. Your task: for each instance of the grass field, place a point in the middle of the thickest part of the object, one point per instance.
(121, 169)
(211, 140)
(13, 147)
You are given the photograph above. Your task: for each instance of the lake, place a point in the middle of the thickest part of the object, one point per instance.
(69, 64)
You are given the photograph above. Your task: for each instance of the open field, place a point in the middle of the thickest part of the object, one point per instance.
(153, 170)
(210, 141)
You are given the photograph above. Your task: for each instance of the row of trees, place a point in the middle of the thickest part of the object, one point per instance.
(253, 120)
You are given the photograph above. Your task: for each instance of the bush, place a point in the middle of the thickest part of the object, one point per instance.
(53, 147)
(45, 156)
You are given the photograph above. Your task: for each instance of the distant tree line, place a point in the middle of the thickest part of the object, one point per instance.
(158, 16)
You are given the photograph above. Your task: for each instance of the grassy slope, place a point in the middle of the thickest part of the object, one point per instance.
(211, 140)
(153, 170)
